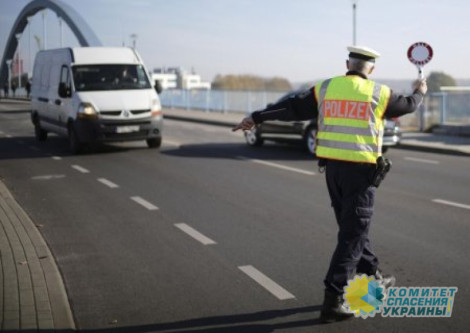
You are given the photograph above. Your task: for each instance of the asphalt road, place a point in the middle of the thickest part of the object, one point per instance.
(210, 235)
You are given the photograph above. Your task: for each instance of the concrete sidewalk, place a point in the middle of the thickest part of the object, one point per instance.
(32, 293)
(438, 143)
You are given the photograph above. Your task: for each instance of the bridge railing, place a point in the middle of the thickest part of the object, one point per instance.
(218, 100)
(444, 108)
(438, 108)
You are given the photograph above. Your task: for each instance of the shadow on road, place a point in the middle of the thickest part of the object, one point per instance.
(232, 150)
(27, 147)
(246, 323)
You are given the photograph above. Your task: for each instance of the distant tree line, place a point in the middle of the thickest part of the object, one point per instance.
(250, 83)
(436, 80)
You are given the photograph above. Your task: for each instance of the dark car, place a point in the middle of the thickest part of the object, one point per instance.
(306, 131)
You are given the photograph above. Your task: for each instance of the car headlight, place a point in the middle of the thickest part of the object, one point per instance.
(87, 111)
(156, 108)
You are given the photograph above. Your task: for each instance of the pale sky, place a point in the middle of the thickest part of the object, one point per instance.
(301, 40)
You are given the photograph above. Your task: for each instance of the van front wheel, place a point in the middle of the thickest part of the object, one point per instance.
(74, 143)
(154, 142)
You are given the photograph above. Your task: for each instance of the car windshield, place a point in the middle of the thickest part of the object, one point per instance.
(109, 77)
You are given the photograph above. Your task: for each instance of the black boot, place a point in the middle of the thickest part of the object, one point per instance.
(333, 308)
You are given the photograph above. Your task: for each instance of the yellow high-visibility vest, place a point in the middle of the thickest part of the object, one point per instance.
(350, 118)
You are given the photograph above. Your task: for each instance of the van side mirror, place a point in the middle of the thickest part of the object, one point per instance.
(158, 87)
(64, 91)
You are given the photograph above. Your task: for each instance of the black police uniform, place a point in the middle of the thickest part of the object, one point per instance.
(349, 187)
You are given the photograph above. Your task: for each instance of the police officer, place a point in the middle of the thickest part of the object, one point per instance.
(350, 110)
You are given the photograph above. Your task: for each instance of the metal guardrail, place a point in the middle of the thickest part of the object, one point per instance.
(438, 108)
(443, 108)
(218, 100)
(451, 107)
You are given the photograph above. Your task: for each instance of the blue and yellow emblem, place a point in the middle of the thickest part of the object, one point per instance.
(363, 296)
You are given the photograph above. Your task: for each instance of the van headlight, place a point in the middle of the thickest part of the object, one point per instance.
(156, 108)
(87, 111)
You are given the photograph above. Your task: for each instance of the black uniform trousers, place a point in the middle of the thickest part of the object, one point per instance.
(352, 198)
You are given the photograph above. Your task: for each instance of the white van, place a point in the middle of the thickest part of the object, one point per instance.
(94, 94)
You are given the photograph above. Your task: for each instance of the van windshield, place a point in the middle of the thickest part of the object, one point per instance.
(109, 77)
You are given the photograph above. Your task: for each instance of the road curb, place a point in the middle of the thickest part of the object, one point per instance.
(34, 297)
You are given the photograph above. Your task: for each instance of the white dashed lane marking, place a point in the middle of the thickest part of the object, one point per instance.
(268, 284)
(421, 160)
(144, 203)
(80, 169)
(108, 183)
(451, 203)
(278, 166)
(47, 177)
(195, 234)
(56, 158)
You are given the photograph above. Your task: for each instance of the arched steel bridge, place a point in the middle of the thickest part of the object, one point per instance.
(83, 32)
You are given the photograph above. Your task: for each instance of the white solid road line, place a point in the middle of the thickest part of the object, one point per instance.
(108, 183)
(266, 283)
(279, 166)
(195, 234)
(80, 169)
(451, 203)
(422, 160)
(8, 135)
(144, 203)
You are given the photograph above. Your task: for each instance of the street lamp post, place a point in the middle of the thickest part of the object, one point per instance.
(44, 40)
(30, 67)
(18, 38)
(9, 73)
(60, 29)
(134, 40)
(354, 6)
(38, 42)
